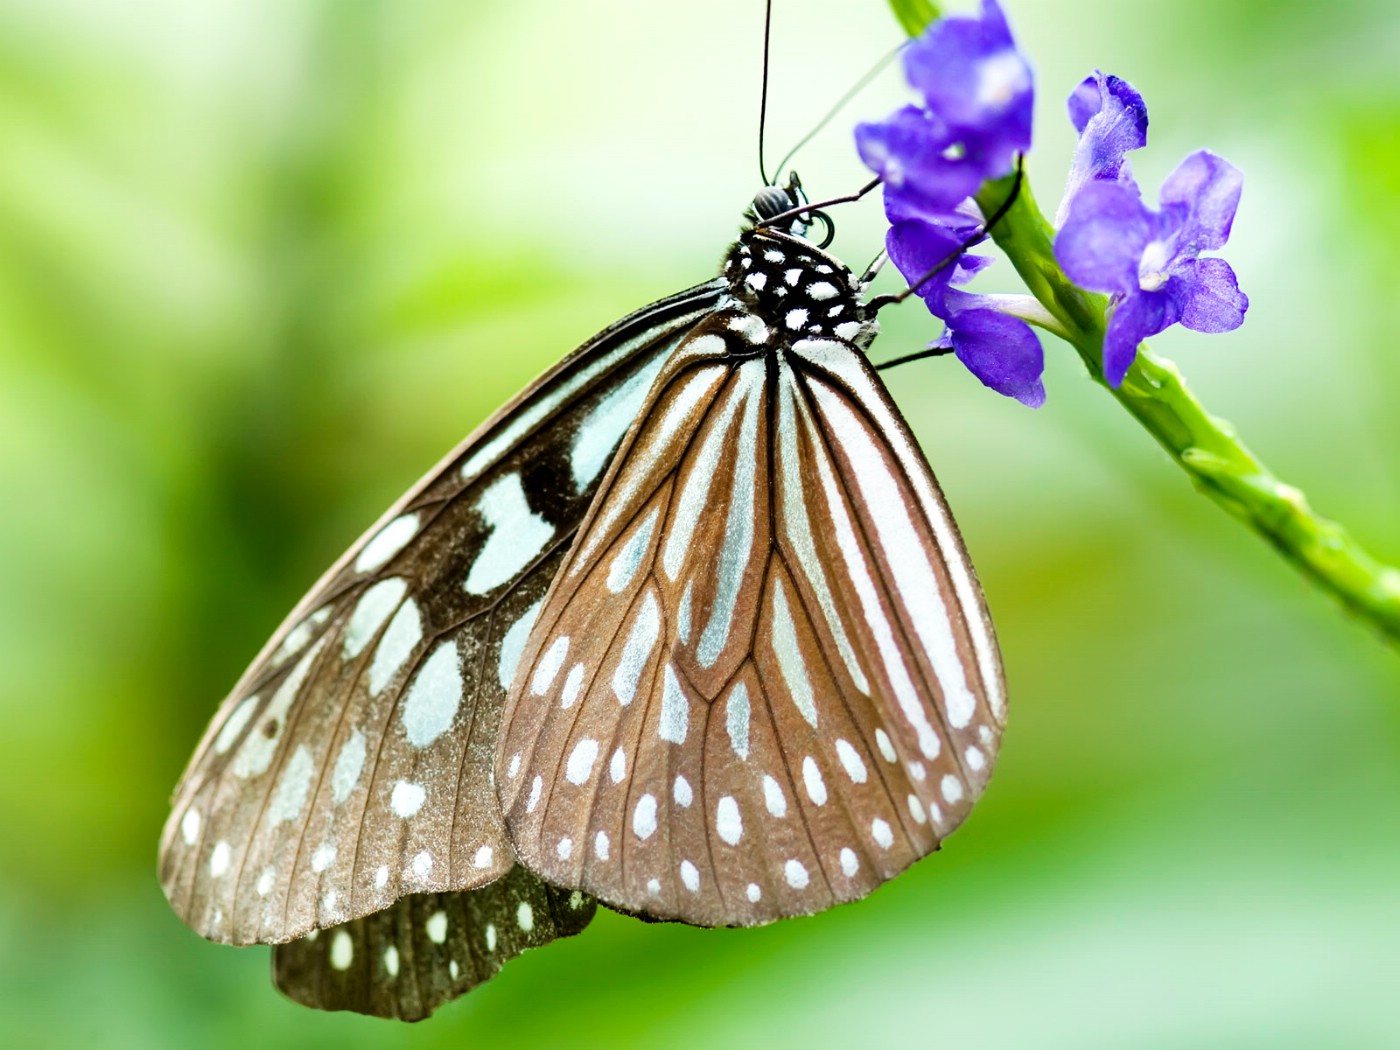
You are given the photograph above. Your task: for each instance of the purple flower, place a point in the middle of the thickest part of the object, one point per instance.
(978, 94)
(999, 350)
(1149, 261)
(1111, 119)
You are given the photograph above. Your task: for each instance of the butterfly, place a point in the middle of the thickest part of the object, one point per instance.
(686, 628)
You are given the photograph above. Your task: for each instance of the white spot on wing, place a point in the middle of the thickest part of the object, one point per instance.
(790, 662)
(189, 826)
(637, 649)
(882, 740)
(736, 719)
(754, 893)
(851, 761)
(401, 637)
(952, 788)
(773, 797)
(391, 539)
(573, 684)
(292, 787)
(881, 832)
(482, 858)
(374, 607)
(629, 559)
(580, 765)
(675, 709)
(436, 927)
(850, 863)
(599, 433)
(525, 917)
(812, 777)
(600, 845)
(549, 665)
(235, 725)
(644, 817)
(516, 535)
(728, 823)
(391, 960)
(690, 876)
(255, 753)
(617, 766)
(681, 792)
(796, 874)
(342, 950)
(536, 787)
(513, 644)
(323, 858)
(421, 866)
(219, 859)
(265, 881)
(349, 763)
(433, 698)
(406, 799)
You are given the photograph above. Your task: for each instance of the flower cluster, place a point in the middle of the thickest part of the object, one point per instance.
(975, 118)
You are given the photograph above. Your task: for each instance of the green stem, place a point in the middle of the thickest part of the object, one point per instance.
(1207, 448)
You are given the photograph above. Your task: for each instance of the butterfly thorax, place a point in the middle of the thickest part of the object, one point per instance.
(794, 290)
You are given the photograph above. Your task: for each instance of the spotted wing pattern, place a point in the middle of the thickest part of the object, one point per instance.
(351, 764)
(426, 949)
(764, 680)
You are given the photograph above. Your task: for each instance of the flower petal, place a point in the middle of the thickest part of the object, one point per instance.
(915, 248)
(1112, 120)
(1210, 297)
(1205, 191)
(1002, 352)
(911, 150)
(1135, 318)
(972, 77)
(1101, 242)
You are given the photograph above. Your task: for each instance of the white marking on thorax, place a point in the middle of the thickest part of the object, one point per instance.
(516, 535)
(821, 290)
(434, 696)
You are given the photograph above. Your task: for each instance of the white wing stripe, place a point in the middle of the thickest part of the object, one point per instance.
(837, 359)
(739, 528)
(797, 527)
(903, 551)
(696, 491)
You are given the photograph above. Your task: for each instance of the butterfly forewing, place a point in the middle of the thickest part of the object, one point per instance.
(426, 949)
(351, 764)
(764, 680)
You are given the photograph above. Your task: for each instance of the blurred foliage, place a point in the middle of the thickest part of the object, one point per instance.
(261, 263)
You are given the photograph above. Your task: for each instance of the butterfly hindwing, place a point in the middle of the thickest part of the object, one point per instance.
(426, 949)
(351, 764)
(764, 680)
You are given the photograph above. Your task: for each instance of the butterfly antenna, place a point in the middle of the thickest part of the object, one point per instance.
(854, 90)
(763, 92)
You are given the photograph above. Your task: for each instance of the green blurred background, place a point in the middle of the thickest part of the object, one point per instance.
(262, 263)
